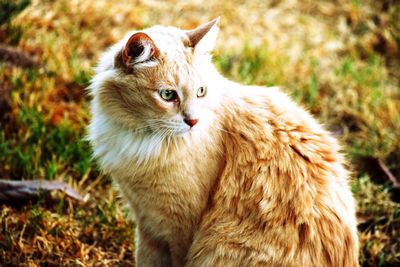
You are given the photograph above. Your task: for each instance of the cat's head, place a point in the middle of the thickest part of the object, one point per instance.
(159, 80)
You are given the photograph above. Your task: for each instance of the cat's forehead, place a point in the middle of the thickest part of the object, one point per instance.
(176, 52)
(174, 63)
(172, 42)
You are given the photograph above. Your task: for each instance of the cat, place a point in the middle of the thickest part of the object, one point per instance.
(214, 172)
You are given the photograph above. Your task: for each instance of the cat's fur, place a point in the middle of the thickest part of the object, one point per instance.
(256, 182)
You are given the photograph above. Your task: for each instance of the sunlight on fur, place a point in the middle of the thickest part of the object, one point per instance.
(216, 173)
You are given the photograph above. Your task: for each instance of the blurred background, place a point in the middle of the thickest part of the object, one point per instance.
(339, 59)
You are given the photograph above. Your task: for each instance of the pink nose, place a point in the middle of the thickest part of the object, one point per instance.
(191, 123)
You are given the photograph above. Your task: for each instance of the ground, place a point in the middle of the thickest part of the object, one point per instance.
(339, 59)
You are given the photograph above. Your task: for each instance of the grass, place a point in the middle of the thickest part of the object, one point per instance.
(339, 59)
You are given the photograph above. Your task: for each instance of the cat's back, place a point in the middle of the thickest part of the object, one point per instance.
(283, 194)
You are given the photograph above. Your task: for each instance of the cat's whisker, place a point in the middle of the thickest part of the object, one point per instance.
(172, 123)
(159, 137)
(169, 138)
(142, 129)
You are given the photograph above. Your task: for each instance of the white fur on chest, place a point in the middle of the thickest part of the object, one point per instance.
(117, 148)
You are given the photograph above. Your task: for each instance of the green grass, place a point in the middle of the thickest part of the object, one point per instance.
(41, 150)
(353, 90)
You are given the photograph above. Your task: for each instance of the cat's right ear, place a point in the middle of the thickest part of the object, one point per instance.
(139, 48)
(203, 38)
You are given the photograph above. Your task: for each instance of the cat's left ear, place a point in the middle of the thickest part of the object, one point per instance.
(139, 48)
(203, 38)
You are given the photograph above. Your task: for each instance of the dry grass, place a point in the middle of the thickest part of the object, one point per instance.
(340, 59)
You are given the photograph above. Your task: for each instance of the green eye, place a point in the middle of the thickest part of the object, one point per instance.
(168, 95)
(201, 91)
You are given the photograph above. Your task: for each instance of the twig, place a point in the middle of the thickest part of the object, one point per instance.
(14, 191)
(391, 177)
(16, 57)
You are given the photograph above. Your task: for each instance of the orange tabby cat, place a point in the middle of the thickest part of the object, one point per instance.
(216, 173)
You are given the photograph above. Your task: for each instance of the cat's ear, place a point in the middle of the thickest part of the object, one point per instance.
(139, 48)
(203, 38)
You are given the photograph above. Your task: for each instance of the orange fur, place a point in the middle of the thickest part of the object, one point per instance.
(282, 199)
(256, 182)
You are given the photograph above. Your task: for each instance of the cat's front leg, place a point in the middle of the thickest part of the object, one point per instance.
(150, 252)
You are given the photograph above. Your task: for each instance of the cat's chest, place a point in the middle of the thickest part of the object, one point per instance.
(171, 189)
(171, 182)
(170, 199)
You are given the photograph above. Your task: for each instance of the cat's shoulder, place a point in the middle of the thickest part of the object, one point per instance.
(267, 117)
(271, 103)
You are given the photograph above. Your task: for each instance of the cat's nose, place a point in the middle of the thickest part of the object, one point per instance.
(191, 122)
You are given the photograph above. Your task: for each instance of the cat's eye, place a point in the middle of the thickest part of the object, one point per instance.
(201, 91)
(169, 95)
